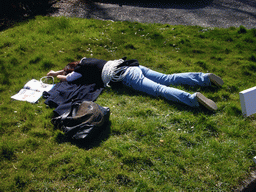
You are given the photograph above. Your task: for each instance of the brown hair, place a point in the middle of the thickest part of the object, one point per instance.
(70, 67)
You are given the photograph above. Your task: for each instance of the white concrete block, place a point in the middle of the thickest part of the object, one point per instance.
(248, 101)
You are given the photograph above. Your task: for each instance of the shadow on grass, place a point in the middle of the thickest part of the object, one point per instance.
(5, 80)
(122, 90)
(89, 142)
(16, 11)
(248, 185)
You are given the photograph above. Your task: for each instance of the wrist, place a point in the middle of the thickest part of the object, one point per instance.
(62, 77)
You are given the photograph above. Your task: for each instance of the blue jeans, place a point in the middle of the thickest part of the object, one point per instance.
(157, 84)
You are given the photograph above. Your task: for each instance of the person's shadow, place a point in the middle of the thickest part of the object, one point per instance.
(104, 132)
(120, 89)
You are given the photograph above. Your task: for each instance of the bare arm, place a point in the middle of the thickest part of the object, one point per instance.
(55, 73)
(62, 77)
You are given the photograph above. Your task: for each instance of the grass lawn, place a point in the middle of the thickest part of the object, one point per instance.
(151, 144)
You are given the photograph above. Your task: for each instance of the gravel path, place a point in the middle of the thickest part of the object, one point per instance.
(205, 13)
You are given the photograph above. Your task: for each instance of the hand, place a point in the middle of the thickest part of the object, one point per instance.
(52, 73)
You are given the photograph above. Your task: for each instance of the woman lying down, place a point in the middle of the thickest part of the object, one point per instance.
(140, 78)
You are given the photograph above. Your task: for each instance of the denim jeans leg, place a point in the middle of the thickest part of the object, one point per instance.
(191, 78)
(136, 80)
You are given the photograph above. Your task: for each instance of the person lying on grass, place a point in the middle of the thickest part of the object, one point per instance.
(140, 78)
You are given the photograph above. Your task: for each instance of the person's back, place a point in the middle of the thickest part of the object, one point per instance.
(91, 70)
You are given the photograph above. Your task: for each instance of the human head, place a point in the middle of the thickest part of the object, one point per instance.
(70, 67)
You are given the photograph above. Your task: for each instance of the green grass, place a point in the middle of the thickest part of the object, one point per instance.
(152, 144)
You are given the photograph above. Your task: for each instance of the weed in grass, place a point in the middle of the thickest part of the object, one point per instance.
(202, 64)
(47, 64)
(4, 78)
(7, 150)
(249, 39)
(252, 58)
(253, 31)
(20, 181)
(124, 180)
(35, 59)
(248, 69)
(130, 46)
(242, 29)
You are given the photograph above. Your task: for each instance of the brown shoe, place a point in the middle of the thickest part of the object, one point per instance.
(208, 103)
(216, 80)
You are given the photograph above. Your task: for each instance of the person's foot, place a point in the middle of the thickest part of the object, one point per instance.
(216, 80)
(208, 103)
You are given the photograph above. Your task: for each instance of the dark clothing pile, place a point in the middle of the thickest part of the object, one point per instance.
(63, 94)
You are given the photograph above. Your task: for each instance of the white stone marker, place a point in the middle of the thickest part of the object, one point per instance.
(248, 101)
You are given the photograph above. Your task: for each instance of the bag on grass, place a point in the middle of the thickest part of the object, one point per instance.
(83, 120)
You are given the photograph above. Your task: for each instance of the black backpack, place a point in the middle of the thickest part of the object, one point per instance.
(83, 120)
